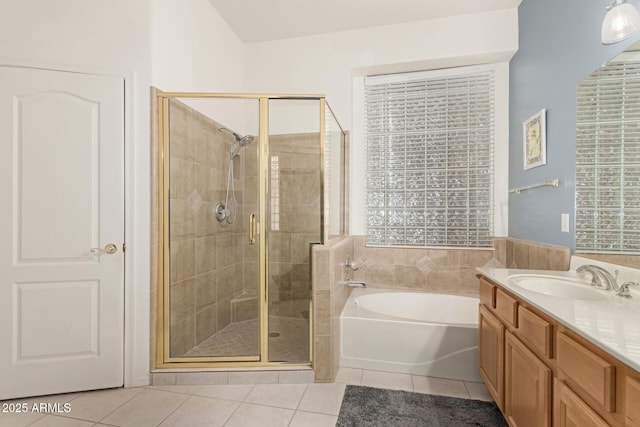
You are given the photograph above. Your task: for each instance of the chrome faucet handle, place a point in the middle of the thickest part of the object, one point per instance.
(351, 265)
(623, 291)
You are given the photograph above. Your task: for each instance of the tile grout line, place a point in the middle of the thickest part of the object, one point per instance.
(36, 420)
(124, 403)
(253, 386)
(177, 407)
(295, 411)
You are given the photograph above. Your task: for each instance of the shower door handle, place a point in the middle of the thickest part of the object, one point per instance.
(252, 229)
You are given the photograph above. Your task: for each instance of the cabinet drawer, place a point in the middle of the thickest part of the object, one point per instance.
(631, 399)
(594, 376)
(570, 410)
(507, 308)
(487, 293)
(536, 332)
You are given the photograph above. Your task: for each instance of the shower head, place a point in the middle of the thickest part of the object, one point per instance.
(242, 140)
(245, 140)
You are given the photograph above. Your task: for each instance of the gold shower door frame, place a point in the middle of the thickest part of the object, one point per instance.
(163, 357)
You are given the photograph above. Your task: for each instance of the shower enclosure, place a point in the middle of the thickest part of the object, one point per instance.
(247, 185)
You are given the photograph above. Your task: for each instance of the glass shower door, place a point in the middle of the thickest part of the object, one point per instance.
(293, 224)
(213, 278)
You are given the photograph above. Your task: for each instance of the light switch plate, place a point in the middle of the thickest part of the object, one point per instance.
(564, 220)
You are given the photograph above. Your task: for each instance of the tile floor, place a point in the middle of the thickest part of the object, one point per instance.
(249, 405)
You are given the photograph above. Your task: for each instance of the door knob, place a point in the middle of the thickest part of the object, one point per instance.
(109, 249)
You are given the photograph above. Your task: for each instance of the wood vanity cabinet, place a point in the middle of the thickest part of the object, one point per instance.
(542, 374)
(491, 353)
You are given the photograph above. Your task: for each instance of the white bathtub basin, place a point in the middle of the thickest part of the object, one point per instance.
(560, 287)
(411, 332)
(422, 307)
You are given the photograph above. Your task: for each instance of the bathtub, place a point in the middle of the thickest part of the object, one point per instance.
(410, 332)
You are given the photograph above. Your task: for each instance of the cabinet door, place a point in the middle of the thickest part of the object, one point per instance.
(571, 411)
(631, 399)
(527, 386)
(491, 353)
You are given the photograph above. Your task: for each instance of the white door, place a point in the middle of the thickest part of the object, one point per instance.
(61, 194)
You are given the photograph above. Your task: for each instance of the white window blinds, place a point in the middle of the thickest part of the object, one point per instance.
(430, 159)
(608, 160)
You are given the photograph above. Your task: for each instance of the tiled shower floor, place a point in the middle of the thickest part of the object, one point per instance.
(288, 340)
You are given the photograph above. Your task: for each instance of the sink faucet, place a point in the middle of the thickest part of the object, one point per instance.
(601, 278)
(355, 284)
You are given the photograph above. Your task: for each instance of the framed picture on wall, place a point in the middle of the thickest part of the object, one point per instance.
(535, 140)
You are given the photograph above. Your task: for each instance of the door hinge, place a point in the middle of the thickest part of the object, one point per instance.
(124, 247)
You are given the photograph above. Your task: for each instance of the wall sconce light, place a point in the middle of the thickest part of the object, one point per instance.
(621, 22)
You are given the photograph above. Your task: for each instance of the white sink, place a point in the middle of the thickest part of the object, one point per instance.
(561, 287)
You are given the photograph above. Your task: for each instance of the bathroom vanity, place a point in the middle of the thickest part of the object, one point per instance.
(563, 354)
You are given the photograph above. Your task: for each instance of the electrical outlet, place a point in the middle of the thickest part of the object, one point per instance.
(564, 221)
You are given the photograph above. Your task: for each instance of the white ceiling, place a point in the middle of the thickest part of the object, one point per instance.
(263, 20)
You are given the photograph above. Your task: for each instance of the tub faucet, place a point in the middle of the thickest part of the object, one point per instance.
(355, 284)
(600, 277)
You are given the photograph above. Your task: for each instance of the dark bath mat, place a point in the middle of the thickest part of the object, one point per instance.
(367, 406)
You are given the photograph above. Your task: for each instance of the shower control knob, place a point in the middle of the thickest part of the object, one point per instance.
(352, 265)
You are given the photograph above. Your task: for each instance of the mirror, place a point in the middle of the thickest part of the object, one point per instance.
(608, 161)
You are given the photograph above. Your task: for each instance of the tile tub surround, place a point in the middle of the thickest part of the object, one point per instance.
(632, 261)
(451, 271)
(527, 254)
(329, 298)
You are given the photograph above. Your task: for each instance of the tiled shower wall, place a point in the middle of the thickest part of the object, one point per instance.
(206, 256)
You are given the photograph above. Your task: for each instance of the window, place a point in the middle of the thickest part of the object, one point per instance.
(608, 160)
(430, 156)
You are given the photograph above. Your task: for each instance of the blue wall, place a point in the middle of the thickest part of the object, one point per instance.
(559, 46)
